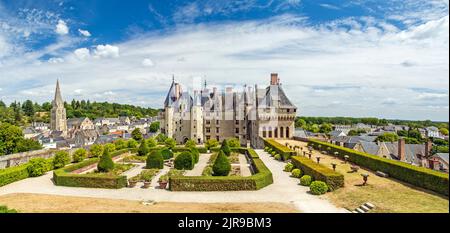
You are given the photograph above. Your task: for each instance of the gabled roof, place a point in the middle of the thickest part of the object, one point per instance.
(370, 147)
(443, 156)
(411, 151)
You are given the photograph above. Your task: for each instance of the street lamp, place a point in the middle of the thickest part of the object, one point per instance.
(346, 158)
(334, 166)
(318, 159)
(365, 177)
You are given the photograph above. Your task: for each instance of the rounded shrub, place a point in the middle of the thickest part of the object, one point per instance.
(166, 154)
(39, 166)
(225, 148)
(79, 155)
(305, 180)
(318, 187)
(155, 160)
(61, 159)
(143, 149)
(190, 143)
(151, 142)
(195, 154)
(170, 143)
(277, 157)
(222, 165)
(110, 147)
(105, 164)
(131, 143)
(266, 149)
(288, 167)
(297, 173)
(96, 150)
(184, 161)
(233, 142)
(273, 153)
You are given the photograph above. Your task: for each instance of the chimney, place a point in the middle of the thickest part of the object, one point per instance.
(401, 149)
(428, 148)
(274, 80)
(229, 89)
(177, 90)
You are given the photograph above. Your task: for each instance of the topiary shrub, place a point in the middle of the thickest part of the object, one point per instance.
(39, 166)
(195, 154)
(79, 155)
(143, 149)
(277, 157)
(166, 154)
(297, 173)
(155, 160)
(318, 187)
(305, 180)
(110, 147)
(222, 165)
(131, 143)
(61, 159)
(273, 153)
(288, 167)
(151, 142)
(190, 143)
(184, 161)
(225, 148)
(105, 164)
(170, 143)
(5, 210)
(233, 142)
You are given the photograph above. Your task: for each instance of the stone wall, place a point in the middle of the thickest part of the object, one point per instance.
(13, 160)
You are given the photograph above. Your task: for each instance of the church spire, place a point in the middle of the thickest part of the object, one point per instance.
(58, 98)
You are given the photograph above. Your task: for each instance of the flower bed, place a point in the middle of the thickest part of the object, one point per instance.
(65, 177)
(419, 176)
(261, 178)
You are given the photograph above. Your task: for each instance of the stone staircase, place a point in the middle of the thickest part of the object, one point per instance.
(364, 208)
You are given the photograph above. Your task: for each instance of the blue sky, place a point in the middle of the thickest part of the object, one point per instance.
(335, 58)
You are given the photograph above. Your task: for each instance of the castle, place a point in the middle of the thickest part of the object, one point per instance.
(248, 115)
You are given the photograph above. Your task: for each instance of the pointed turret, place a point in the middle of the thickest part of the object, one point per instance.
(58, 99)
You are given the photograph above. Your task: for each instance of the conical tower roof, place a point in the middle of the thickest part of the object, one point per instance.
(58, 99)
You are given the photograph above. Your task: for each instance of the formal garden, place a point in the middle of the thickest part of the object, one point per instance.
(349, 178)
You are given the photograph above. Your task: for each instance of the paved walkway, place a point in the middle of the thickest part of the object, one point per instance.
(284, 189)
(200, 166)
(245, 167)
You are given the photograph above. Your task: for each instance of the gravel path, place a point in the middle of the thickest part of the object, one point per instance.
(200, 166)
(245, 167)
(284, 189)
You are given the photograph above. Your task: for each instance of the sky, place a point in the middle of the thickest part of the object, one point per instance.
(386, 59)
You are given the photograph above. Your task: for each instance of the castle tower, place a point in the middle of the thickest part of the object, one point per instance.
(58, 121)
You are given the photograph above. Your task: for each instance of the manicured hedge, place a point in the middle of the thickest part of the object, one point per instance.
(261, 178)
(201, 150)
(13, 174)
(64, 177)
(319, 172)
(419, 176)
(280, 149)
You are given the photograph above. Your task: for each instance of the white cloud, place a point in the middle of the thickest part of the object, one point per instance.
(147, 62)
(82, 53)
(61, 28)
(432, 96)
(374, 67)
(106, 51)
(85, 33)
(55, 60)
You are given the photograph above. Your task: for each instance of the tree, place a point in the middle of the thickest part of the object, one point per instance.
(402, 133)
(190, 143)
(109, 147)
(225, 148)
(211, 143)
(154, 127)
(96, 150)
(132, 143)
(414, 133)
(170, 143)
(61, 159)
(411, 140)
(11, 138)
(137, 135)
(387, 137)
(325, 128)
(222, 165)
(151, 142)
(79, 155)
(143, 149)
(28, 108)
(161, 138)
(120, 144)
(105, 164)
(444, 131)
(233, 142)
(39, 166)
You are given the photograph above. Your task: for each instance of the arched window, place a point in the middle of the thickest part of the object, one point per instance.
(276, 132)
(264, 132)
(270, 132)
(281, 132)
(287, 132)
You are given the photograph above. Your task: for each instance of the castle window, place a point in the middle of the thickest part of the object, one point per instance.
(281, 132)
(276, 132)
(270, 132)
(217, 130)
(287, 132)
(264, 132)
(217, 138)
(208, 130)
(237, 130)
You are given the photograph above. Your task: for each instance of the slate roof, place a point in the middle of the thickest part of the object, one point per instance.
(443, 156)
(411, 151)
(300, 133)
(370, 147)
(275, 97)
(336, 133)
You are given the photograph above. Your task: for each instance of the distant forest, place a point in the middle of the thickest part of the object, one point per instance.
(21, 114)
(300, 121)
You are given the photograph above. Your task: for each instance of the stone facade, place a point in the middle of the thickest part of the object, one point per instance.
(248, 114)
